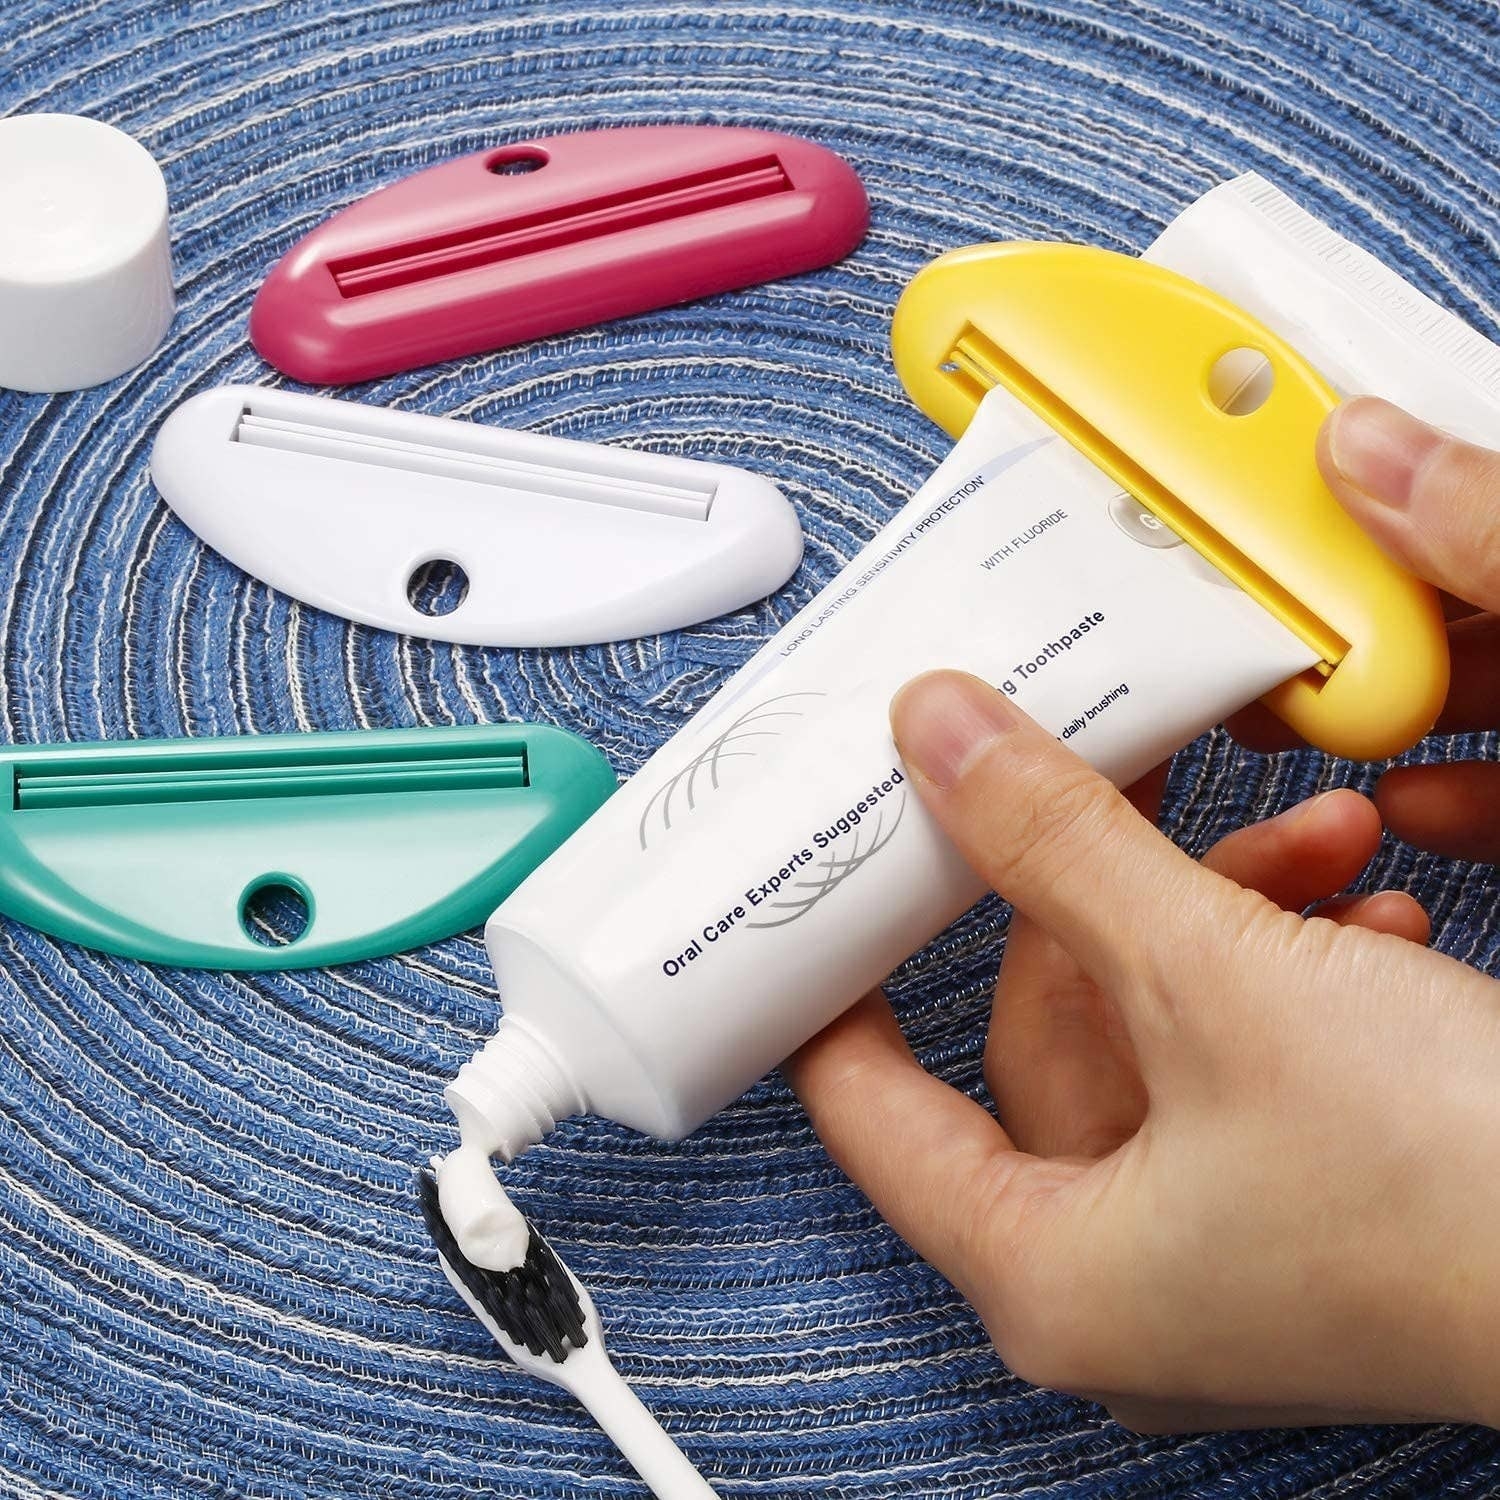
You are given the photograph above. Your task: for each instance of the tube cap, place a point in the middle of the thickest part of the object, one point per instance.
(85, 263)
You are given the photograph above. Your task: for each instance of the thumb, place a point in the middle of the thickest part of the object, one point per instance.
(1051, 835)
(1432, 501)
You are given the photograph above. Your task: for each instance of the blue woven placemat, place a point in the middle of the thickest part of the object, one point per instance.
(212, 1279)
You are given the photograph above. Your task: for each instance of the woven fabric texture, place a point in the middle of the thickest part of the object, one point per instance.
(213, 1280)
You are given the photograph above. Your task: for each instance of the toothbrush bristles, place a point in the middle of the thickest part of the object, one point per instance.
(536, 1304)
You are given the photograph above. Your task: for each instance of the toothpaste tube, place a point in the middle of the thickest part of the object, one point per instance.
(1368, 330)
(772, 862)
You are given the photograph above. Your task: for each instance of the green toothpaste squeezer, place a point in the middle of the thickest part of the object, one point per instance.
(378, 841)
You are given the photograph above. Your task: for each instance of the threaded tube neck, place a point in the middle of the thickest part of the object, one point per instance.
(512, 1092)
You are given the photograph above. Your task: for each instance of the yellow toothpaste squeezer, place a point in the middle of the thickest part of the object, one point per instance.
(1209, 420)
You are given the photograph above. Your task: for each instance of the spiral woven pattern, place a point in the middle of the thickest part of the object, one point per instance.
(213, 1278)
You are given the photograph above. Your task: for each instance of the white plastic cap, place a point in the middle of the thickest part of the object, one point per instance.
(85, 263)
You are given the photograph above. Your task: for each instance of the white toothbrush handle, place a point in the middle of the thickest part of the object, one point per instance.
(636, 1433)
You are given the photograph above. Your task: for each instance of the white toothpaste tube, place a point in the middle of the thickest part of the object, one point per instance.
(772, 862)
(1367, 330)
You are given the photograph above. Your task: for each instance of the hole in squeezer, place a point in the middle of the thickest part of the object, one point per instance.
(514, 165)
(275, 914)
(438, 587)
(1240, 382)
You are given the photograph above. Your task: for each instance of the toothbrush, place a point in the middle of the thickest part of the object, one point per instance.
(540, 1315)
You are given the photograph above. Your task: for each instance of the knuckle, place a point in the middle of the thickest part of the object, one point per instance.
(1285, 942)
(1256, 938)
(1036, 1361)
(1042, 1310)
(1238, 935)
(1459, 472)
(1149, 1419)
(1052, 1348)
(1265, 954)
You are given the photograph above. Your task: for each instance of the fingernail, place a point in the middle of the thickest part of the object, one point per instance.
(943, 721)
(1312, 804)
(1378, 448)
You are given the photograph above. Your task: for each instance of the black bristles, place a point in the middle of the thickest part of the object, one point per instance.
(536, 1304)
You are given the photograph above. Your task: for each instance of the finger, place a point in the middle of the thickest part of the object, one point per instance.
(1051, 835)
(1453, 810)
(1432, 501)
(1058, 1059)
(1304, 854)
(934, 1163)
(1385, 911)
(1474, 689)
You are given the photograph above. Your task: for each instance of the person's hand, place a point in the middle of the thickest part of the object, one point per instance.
(1246, 1169)
(1433, 503)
